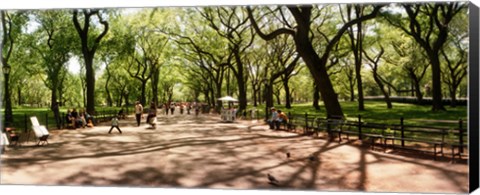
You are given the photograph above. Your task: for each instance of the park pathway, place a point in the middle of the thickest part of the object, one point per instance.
(201, 152)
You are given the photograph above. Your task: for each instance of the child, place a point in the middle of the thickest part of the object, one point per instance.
(115, 124)
(90, 123)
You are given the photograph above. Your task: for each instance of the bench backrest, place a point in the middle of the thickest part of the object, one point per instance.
(39, 130)
(4, 139)
(34, 121)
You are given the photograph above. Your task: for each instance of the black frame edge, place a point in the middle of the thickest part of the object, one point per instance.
(473, 108)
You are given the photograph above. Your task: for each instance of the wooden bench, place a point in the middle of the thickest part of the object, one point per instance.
(40, 131)
(455, 150)
(350, 128)
(289, 124)
(318, 125)
(335, 127)
(12, 136)
(308, 124)
(436, 145)
(425, 135)
(457, 141)
(373, 140)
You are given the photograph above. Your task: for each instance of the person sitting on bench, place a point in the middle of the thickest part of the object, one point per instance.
(271, 122)
(281, 118)
(70, 119)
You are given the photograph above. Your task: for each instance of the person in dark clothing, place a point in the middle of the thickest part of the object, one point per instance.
(76, 121)
(121, 114)
(138, 112)
(166, 108)
(152, 114)
(172, 108)
(70, 120)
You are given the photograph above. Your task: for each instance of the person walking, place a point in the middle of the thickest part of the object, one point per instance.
(172, 108)
(114, 125)
(152, 114)
(138, 112)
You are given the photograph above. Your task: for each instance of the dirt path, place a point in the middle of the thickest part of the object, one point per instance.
(201, 152)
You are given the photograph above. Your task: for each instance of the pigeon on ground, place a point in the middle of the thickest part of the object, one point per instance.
(272, 179)
(288, 154)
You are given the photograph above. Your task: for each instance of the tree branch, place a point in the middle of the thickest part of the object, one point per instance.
(271, 35)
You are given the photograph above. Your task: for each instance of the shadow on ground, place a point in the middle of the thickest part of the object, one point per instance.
(201, 152)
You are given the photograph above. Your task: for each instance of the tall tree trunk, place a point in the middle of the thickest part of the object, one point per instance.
(154, 83)
(242, 91)
(228, 82)
(88, 51)
(218, 107)
(352, 90)
(126, 97)
(84, 94)
(269, 95)
(318, 69)
(412, 89)
(418, 92)
(54, 105)
(107, 91)
(358, 67)
(255, 95)
(143, 99)
(436, 83)
(277, 96)
(19, 94)
(287, 94)
(382, 88)
(60, 96)
(453, 98)
(361, 104)
(376, 77)
(316, 98)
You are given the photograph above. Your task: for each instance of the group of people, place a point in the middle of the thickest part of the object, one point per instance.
(182, 106)
(151, 116)
(76, 119)
(277, 118)
(79, 119)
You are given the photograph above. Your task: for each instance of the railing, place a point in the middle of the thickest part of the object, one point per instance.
(23, 124)
(402, 135)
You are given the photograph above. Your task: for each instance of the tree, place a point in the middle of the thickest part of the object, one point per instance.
(203, 49)
(356, 35)
(316, 62)
(12, 26)
(231, 24)
(281, 59)
(90, 41)
(413, 62)
(456, 66)
(428, 24)
(374, 66)
(54, 47)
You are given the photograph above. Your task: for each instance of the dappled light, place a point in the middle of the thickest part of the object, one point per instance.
(202, 152)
